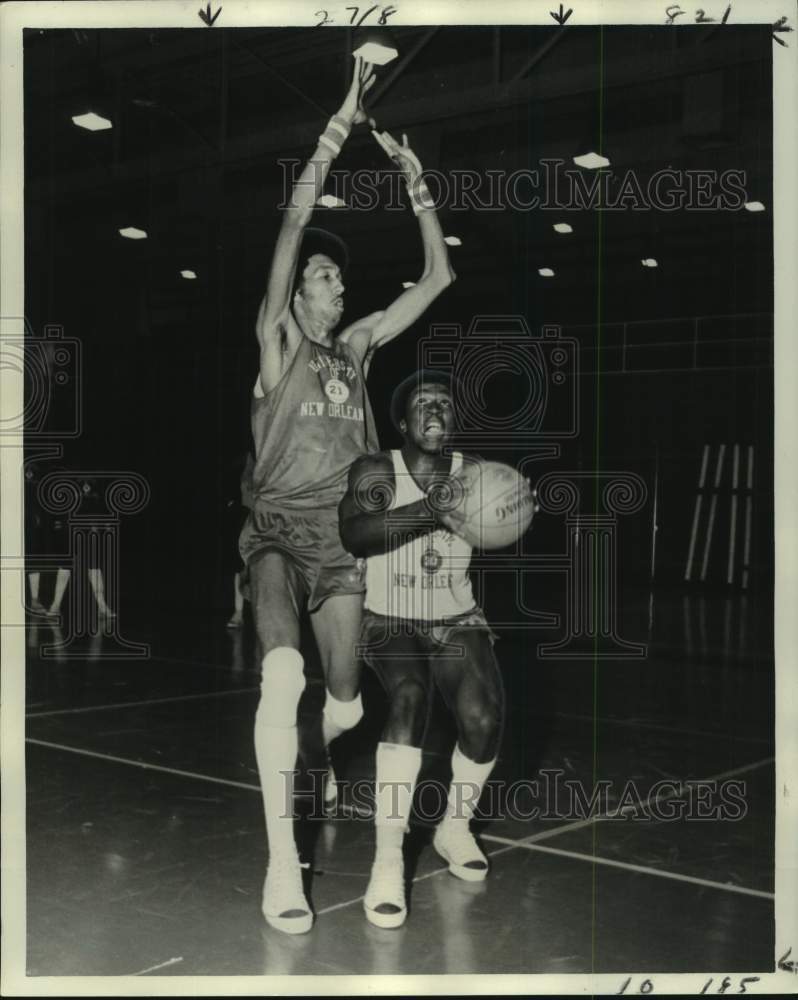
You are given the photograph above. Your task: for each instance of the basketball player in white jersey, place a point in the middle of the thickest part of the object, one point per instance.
(421, 626)
(310, 420)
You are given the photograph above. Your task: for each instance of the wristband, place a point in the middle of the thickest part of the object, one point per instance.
(340, 125)
(335, 134)
(325, 140)
(420, 198)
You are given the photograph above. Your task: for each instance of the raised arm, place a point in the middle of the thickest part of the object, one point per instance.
(272, 326)
(379, 328)
(367, 524)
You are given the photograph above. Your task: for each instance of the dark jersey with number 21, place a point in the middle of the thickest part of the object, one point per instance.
(310, 428)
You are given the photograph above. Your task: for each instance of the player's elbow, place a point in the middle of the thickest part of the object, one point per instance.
(441, 277)
(351, 539)
(267, 333)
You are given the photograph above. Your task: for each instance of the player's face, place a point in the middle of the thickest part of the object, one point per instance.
(322, 289)
(429, 417)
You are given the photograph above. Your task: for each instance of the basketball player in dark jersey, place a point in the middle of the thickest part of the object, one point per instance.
(422, 626)
(310, 420)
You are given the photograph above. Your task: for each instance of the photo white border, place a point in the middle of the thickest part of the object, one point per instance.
(14, 17)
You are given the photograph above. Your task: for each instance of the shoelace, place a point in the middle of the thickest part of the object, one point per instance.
(281, 878)
(387, 881)
(460, 843)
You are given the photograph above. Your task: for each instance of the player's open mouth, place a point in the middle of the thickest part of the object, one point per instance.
(435, 426)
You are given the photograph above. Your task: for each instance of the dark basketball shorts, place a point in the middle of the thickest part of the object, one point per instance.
(312, 544)
(383, 638)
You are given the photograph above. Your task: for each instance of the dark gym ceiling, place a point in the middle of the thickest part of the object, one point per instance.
(201, 118)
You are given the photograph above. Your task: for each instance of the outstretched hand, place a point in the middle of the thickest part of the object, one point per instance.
(403, 155)
(362, 80)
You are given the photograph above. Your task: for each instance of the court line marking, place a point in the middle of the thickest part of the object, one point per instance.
(248, 690)
(418, 878)
(143, 765)
(630, 866)
(532, 838)
(529, 843)
(134, 704)
(161, 965)
(580, 823)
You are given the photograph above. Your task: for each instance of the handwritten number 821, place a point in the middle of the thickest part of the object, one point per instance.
(385, 13)
(675, 11)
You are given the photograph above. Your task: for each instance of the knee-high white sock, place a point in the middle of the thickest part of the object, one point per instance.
(468, 780)
(397, 771)
(276, 743)
(339, 716)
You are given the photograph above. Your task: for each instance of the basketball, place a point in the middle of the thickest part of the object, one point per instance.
(498, 506)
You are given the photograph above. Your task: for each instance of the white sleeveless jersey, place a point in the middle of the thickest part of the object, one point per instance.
(427, 577)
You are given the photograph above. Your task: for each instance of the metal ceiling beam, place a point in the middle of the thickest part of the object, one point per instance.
(392, 77)
(297, 139)
(279, 76)
(539, 54)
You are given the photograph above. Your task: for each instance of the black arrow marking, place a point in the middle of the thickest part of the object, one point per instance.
(781, 25)
(783, 963)
(561, 18)
(206, 15)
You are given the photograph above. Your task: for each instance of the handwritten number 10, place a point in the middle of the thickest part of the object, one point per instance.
(645, 987)
(648, 987)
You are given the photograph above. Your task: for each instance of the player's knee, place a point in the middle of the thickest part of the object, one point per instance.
(408, 703)
(343, 714)
(281, 687)
(479, 729)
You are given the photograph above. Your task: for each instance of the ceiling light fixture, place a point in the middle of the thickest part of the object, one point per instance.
(188, 274)
(562, 227)
(545, 272)
(92, 122)
(452, 241)
(649, 262)
(131, 233)
(754, 206)
(375, 45)
(330, 201)
(591, 161)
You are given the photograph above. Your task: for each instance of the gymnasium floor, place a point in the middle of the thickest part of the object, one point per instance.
(146, 849)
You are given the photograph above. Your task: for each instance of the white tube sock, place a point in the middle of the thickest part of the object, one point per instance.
(397, 771)
(276, 743)
(339, 716)
(468, 780)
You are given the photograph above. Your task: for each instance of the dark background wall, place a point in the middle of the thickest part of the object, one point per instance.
(200, 121)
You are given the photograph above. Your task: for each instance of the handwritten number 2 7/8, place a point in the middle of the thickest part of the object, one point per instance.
(383, 16)
(354, 20)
